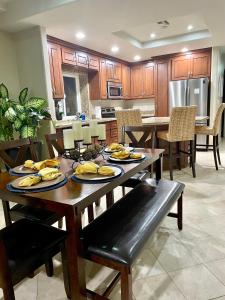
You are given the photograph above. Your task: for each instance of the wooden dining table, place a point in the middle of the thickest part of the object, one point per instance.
(71, 199)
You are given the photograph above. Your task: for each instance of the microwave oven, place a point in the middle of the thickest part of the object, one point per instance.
(114, 90)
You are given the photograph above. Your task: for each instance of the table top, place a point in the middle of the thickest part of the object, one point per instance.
(166, 120)
(76, 194)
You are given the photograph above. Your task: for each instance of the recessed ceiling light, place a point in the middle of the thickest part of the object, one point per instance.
(115, 49)
(190, 27)
(80, 35)
(152, 35)
(137, 57)
(184, 49)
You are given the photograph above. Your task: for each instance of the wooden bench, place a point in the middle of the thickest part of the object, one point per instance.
(116, 238)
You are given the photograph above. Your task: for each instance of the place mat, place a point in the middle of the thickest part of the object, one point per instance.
(74, 178)
(44, 189)
(127, 160)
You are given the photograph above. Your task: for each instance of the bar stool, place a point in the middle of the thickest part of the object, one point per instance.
(181, 129)
(213, 131)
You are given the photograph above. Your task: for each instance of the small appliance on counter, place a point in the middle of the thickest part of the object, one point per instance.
(114, 90)
(108, 112)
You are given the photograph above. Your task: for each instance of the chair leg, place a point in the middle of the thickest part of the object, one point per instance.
(123, 191)
(195, 147)
(49, 268)
(192, 159)
(214, 152)
(90, 213)
(178, 153)
(8, 292)
(180, 212)
(217, 149)
(126, 284)
(60, 223)
(171, 160)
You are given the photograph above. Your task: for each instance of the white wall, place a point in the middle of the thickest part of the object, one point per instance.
(8, 64)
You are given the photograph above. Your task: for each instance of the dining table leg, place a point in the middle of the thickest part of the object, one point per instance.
(158, 167)
(76, 264)
(109, 199)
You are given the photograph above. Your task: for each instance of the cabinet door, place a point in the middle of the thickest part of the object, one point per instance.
(200, 65)
(93, 62)
(68, 56)
(162, 79)
(137, 81)
(55, 62)
(82, 59)
(148, 80)
(126, 81)
(110, 70)
(181, 67)
(103, 79)
(117, 72)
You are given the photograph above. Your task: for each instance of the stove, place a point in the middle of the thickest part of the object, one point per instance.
(108, 112)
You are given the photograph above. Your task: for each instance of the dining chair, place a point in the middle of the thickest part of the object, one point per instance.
(127, 117)
(140, 137)
(24, 247)
(214, 132)
(14, 153)
(181, 129)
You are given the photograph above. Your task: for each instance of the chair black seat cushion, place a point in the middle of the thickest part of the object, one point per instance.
(120, 232)
(28, 246)
(20, 211)
(136, 179)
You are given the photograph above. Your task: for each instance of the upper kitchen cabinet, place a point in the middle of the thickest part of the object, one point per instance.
(82, 59)
(126, 81)
(142, 81)
(192, 65)
(55, 62)
(68, 56)
(93, 62)
(103, 79)
(113, 71)
(181, 67)
(148, 80)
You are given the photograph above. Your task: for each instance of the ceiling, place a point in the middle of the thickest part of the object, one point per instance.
(126, 24)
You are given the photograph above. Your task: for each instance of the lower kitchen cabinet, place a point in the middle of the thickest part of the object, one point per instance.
(111, 132)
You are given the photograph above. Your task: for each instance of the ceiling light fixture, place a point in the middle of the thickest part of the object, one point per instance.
(184, 49)
(152, 35)
(137, 57)
(115, 49)
(190, 27)
(80, 35)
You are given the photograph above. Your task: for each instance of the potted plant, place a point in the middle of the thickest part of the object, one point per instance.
(22, 115)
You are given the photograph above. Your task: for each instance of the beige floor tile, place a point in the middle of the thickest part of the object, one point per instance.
(198, 283)
(174, 256)
(158, 287)
(217, 268)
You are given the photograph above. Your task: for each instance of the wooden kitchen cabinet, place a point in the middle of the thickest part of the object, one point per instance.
(148, 80)
(103, 79)
(114, 71)
(82, 59)
(111, 132)
(55, 62)
(136, 79)
(93, 62)
(126, 81)
(162, 80)
(193, 65)
(68, 56)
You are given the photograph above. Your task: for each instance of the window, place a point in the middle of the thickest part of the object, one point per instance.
(71, 102)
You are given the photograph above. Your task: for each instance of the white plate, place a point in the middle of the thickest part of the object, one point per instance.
(127, 159)
(99, 177)
(22, 170)
(125, 148)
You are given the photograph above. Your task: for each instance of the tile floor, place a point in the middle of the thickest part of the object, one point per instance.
(173, 265)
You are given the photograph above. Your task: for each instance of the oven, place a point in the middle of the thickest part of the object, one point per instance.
(114, 90)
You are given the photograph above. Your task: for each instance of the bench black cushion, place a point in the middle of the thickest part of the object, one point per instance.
(120, 233)
(136, 179)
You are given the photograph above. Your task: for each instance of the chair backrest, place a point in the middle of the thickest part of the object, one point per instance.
(127, 117)
(217, 120)
(182, 123)
(14, 153)
(55, 141)
(146, 140)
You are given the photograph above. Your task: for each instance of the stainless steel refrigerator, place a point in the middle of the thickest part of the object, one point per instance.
(190, 92)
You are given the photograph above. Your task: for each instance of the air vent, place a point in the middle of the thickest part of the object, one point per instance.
(163, 24)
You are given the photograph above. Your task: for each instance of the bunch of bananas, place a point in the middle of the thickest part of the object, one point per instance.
(116, 147)
(30, 164)
(92, 168)
(126, 154)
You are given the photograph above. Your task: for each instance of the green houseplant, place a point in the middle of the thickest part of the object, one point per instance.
(22, 115)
